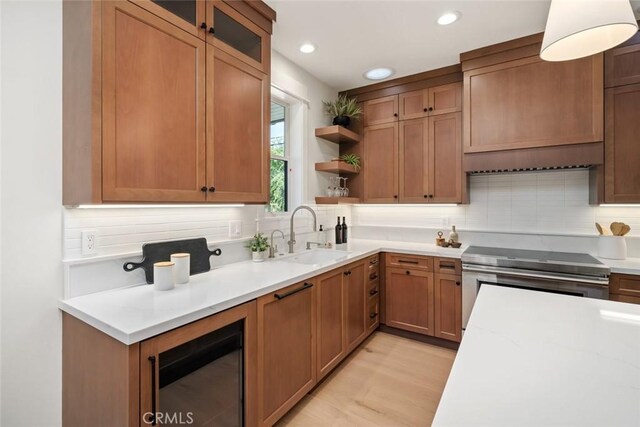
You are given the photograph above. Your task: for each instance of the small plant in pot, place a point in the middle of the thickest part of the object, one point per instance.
(258, 245)
(342, 110)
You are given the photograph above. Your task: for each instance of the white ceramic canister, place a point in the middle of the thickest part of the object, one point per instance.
(163, 276)
(182, 268)
(612, 247)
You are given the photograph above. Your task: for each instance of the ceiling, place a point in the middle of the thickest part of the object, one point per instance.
(353, 36)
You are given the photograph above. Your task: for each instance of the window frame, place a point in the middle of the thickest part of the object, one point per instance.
(286, 157)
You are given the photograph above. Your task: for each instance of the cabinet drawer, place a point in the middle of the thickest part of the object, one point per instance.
(373, 291)
(625, 284)
(373, 315)
(447, 266)
(624, 298)
(410, 261)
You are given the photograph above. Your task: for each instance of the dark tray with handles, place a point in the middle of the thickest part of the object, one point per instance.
(161, 251)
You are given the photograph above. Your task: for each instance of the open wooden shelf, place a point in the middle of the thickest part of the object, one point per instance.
(336, 166)
(337, 134)
(336, 200)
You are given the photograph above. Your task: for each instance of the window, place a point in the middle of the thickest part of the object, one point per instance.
(279, 193)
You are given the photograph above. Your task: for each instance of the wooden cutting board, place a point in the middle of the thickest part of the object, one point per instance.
(161, 251)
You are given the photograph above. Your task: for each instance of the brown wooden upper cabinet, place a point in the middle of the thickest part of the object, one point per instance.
(155, 111)
(380, 163)
(381, 110)
(430, 169)
(622, 123)
(528, 102)
(431, 101)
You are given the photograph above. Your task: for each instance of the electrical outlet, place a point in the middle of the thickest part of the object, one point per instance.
(89, 242)
(235, 228)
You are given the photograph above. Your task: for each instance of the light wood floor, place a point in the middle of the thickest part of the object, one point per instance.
(388, 381)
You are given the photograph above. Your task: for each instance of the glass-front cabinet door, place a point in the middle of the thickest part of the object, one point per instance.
(189, 15)
(235, 34)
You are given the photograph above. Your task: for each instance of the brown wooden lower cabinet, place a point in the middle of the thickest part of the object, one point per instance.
(331, 321)
(355, 291)
(409, 300)
(286, 349)
(624, 288)
(448, 307)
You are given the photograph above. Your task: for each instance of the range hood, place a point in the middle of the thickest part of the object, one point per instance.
(539, 158)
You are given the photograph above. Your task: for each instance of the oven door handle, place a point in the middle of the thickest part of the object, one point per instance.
(604, 281)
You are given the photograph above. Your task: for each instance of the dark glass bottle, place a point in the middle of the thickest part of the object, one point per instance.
(338, 233)
(344, 230)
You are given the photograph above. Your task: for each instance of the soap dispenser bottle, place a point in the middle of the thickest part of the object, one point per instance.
(453, 235)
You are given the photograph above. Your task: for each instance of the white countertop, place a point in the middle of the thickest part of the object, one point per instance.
(136, 313)
(624, 266)
(537, 359)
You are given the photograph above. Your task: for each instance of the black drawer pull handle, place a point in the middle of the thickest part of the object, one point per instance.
(405, 261)
(373, 315)
(447, 265)
(295, 291)
(152, 417)
(373, 292)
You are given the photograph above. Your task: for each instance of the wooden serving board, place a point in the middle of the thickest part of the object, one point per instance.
(161, 251)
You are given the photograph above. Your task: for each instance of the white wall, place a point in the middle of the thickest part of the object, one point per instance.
(31, 177)
(528, 202)
(0, 213)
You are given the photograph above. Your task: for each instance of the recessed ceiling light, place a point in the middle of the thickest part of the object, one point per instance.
(307, 48)
(379, 73)
(448, 18)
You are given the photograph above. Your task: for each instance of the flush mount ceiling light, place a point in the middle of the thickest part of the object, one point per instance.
(579, 28)
(379, 73)
(448, 18)
(307, 48)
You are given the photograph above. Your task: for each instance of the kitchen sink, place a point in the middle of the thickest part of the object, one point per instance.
(317, 257)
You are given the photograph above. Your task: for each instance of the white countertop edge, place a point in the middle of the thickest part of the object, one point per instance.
(374, 246)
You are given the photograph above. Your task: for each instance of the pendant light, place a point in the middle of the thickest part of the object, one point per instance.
(579, 28)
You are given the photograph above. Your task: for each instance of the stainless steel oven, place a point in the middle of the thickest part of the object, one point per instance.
(578, 275)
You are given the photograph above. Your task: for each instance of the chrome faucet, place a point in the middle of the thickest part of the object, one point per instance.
(292, 234)
(273, 249)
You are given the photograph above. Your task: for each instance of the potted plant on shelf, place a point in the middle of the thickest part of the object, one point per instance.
(342, 110)
(350, 159)
(258, 245)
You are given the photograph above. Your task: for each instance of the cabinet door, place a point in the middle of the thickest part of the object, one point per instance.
(409, 300)
(448, 307)
(331, 321)
(533, 103)
(445, 158)
(153, 108)
(355, 290)
(188, 15)
(238, 36)
(286, 350)
(381, 110)
(414, 105)
(237, 130)
(622, 161)
(380, 163)
(414, 161)
(622, 64)
(445, 99)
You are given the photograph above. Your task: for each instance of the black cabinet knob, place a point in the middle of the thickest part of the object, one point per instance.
(408, 272)
(212, 31)
(395, 114)
(430, 108)
(203, 25)
(203, 189)
(457, 283)
(395, 196)
(212, 189)
(425, 110)
(426, 196)
(431, 196)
